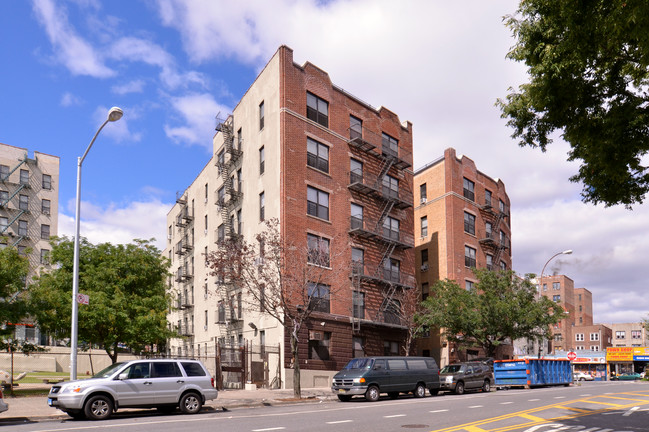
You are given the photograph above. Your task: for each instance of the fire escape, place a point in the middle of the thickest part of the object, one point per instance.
(389, 194)
(494, 240)
(229, 198)
(13, 226)
(185, 272)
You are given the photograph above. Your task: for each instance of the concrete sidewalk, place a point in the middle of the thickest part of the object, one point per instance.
(35, 408)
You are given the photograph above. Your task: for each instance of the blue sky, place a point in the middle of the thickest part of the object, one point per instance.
(173, 65)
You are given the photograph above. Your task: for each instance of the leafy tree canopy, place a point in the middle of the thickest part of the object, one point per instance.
(13, 274)
(501, 307)
(127, 290)
(588, 76)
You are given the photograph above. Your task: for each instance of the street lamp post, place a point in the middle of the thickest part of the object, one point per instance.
(114, 114)
(565, 252)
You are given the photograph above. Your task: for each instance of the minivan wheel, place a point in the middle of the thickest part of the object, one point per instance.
(190, 403)
(344, 398)
(420, 391)
(486, 386)
(459, 388)
(98, 407)
(372, 394)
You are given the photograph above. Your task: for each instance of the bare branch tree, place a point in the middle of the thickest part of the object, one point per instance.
(286, 280)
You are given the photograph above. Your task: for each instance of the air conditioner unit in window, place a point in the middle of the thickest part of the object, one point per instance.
(168, 236)
(313, 335)
(423, 201)
(424, 267)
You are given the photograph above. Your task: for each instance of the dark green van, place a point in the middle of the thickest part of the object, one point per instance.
(371, 376)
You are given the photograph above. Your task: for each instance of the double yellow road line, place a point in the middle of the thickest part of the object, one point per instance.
(556, 412)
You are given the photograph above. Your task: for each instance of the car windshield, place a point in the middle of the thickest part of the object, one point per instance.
(359, 363)
(451, 369)
(105, 373)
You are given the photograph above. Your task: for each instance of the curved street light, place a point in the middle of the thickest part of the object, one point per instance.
(114, 114)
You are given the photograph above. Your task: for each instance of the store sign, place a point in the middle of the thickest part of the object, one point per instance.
(627, 354)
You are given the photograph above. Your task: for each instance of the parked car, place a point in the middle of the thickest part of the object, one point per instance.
(582, 376)
(371, 376)
(3, 405)
(459, 377)
(164, 384)
(626, 377)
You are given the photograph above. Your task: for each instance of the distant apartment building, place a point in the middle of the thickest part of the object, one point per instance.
(628, 334)
(336, 173)
(29, 203)
(593, 337)
(463, 221)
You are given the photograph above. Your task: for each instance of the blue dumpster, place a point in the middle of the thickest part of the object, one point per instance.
(532, 372)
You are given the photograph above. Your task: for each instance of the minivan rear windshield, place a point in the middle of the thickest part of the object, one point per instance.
(359, 363)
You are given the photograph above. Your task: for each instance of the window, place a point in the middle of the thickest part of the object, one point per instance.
(391, 271)
(469, 285)
(392, 313)
(390, 187)
(579, 347)
(319, 297)
(239, 139)
(23, 202)
(355, 171)
(469, 223)
(422, 193)
(44, 254)
(356, 216)
(558, 337)
(317, 250)
(221, 311)
(317, 155)
(45, 206)
(220, 234)
(220, 160)
(239, 222)
(487, 197)
(262, 160)
(261, 115)
(4, 224)
(503, 239)
(424, 226)
(4, 196)
(45, 232)
(490, 262)
(355, 127)
(594, 337)
(358, 260)
(469, 189)
(636, 334)
(556, 298)
(391, 228)
(24, 177)
(424, 259)
(594, 347)
(390, 145)
(545, 287)
(22, 228)
(220, 196)
(580, 308)
(317, 203)
(425, 291)
(579, 337)
(261, 206)
(22, 250)
(469, 256)
(239, 189)
(501, 206)
(319, 345)
(620, 335)
(390, 348)
(503, 265)
(358, 347)
(581, 320)
(556, 285)
(317, 109)
(47, 181)
(4, 172)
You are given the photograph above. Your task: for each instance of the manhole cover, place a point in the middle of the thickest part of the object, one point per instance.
(415, 426)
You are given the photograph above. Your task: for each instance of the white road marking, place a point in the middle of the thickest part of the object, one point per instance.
(438, 411)
(395, 415)
(559, 397)
(630, 411)
(533, 400)
(340, 421)
(268, 429)
(506, 403)
(476, 406)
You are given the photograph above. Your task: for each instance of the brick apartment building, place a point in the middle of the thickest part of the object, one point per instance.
(335, 172)
(463, 222)
(29, 208)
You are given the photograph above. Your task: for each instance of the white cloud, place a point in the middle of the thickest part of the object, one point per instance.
(117, 130)
(134, 86)
(198, 111)
(77, 54)
(117, 224)
(68, 99)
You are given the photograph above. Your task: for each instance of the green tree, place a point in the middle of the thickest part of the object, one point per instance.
(126, 285)
(500, 308)
(588, 67)
(13, 276)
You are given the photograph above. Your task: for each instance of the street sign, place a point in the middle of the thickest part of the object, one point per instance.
(572, 355)
(83, 298)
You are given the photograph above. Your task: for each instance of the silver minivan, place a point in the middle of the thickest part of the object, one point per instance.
(161, 383)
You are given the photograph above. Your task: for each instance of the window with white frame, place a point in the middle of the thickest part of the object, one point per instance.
(636, 334)
(594, 337)
(579, 337)
(620, 334)
(594, 347)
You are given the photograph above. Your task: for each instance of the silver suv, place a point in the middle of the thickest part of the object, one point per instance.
(164, 384)
(459, 377)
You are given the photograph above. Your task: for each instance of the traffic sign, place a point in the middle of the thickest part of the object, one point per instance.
(572, 355)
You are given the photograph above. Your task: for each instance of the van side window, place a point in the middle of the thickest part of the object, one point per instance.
(379, 364)
(417, 364)
(193, 369)
(166, 369)
(397, 364)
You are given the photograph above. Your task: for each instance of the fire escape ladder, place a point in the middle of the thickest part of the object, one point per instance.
(22, 161)
(5, 202)
(387, 208)
(387, 301)
(385, 167)
(5, 228)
